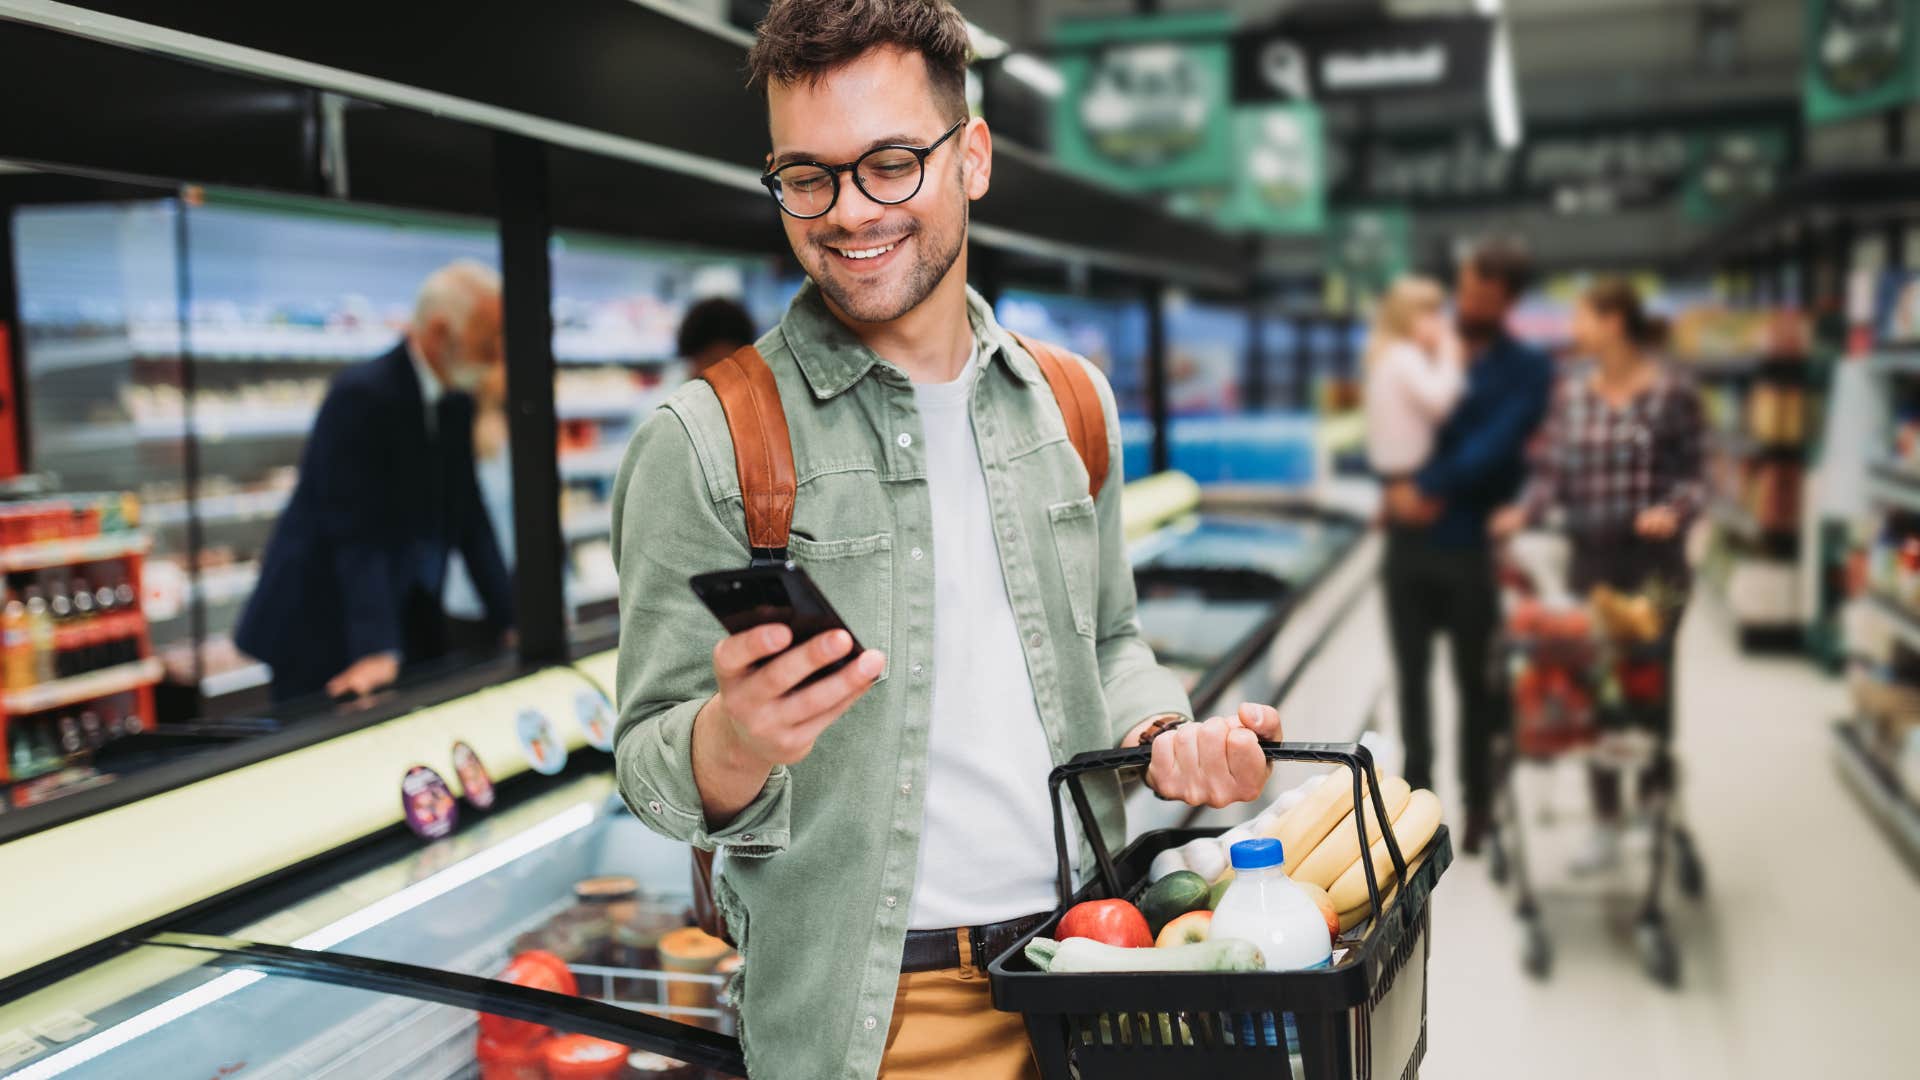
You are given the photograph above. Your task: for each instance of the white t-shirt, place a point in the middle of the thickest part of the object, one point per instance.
(1408, 397)
(986, 844)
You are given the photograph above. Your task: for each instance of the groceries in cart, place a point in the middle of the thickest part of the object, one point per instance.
(1569, 664)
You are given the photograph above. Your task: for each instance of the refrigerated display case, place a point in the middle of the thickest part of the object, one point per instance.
(1111, 333)
(403, 970)
(179, 347)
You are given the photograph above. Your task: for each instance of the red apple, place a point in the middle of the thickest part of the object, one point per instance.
(1110, 922)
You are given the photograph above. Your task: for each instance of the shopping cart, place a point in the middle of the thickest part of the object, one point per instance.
(1362, 1018)
(1579, 692)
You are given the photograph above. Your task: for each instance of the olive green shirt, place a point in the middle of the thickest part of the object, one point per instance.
(817, 873)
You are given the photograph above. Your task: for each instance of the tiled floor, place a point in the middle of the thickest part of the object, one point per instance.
(1803, 960)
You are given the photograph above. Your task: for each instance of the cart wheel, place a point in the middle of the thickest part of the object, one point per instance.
(1537, 954)
(1496, 860)
(1687, 868)
(1657, 952)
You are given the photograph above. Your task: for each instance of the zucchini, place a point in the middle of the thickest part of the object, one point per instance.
(1086, 954)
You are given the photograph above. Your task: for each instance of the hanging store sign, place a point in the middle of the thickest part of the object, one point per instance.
(1313, 61)
(1370, 247)
(1146, 100)
(1860, 57)
(1574, 170)
(1280, 185)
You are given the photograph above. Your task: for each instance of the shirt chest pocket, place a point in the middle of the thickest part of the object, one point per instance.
(856, 577)
(1076, 540)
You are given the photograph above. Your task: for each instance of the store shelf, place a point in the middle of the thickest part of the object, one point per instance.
(47, 554)
(1759, 367)
(588, 524)
(601, 462)
(216, 586)
(1743, 526)
(633, 408)
(576, 348)
(235, 681)
(47, 357)
(1746, 447)
(236, 506)
(584, 595)
(1904, 620)
(1901, 362)
(1879, 790)
(96, 684)
(1895, 485)
(210, 426)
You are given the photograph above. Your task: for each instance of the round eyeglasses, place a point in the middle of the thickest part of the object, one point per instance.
(889, 175)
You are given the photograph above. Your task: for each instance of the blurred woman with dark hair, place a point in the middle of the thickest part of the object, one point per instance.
(1619, 470)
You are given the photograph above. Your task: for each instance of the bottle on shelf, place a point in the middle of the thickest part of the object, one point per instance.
(16, 644)
(92, 730)
(40, 629)
(88, 641)
(72, 740)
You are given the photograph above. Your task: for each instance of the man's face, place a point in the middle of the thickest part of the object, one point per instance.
(1481, 303)
(883, 97)
(474, 351)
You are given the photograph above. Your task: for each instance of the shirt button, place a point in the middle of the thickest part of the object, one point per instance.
(1007, 532)
(906, 789)
(654, 806)
(1034, 639)
(905, 440)
(746, 838)
(872, 1022)
(917, 669)
(891, 901)
(918, 554)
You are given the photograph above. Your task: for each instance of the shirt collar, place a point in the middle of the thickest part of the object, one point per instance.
(431, 390)
(833, 359)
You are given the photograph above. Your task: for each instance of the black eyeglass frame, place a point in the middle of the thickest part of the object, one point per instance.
(771, 180)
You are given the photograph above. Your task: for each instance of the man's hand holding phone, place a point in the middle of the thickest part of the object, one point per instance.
(762, 717)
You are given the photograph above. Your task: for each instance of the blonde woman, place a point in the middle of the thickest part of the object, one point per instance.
(1415, 376)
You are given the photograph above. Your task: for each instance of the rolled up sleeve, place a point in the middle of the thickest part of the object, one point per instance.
(1136, 686)
(668, 525)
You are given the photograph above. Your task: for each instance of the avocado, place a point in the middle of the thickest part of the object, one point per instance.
(1173, 896)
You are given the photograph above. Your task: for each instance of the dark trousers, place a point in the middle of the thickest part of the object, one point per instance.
(1444, 590)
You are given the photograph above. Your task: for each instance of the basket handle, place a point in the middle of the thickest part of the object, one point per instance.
(1353, 755)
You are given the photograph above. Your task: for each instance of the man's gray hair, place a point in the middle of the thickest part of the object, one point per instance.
(451, 292)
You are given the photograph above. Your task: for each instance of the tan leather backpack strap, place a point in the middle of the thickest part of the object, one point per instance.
(762, 449)
(1079, 402)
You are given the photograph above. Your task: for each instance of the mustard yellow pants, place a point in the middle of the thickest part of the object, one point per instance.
(945, 1025)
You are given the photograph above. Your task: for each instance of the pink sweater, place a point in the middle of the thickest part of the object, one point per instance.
(1409, 395)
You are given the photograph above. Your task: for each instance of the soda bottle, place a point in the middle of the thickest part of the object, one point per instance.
(16, 645)
(40, 629)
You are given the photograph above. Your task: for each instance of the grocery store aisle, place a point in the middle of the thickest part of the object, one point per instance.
(1803, 960)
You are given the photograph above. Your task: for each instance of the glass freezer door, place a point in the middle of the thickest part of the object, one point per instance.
(197, 1006)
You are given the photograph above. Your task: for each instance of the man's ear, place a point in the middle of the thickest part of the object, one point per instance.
(979, 150)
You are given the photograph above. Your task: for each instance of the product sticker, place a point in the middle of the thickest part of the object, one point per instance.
(17, 1046)
(546, 754)
(475, 783)
(429, 805)
(596, 718)
(63, 1026)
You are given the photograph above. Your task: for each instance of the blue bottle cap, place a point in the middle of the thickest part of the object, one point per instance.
(1257, 854)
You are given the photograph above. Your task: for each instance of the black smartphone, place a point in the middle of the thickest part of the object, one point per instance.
(783, 593)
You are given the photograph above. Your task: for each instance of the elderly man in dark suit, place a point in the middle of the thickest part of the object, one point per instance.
(350, 588)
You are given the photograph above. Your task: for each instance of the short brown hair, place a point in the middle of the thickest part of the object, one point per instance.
(802, 40)
(1505, 260)
(1619, 298)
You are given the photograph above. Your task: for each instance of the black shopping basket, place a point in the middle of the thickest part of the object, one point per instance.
(1362, 1018)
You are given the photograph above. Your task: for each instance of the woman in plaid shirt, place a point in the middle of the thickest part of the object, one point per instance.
(1619, 468)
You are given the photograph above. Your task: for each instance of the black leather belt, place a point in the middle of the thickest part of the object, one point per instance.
(938, 950)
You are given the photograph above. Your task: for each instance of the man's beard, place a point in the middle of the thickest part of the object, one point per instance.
(868, 304)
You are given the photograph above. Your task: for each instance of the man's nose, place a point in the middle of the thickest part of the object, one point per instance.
(854, 210)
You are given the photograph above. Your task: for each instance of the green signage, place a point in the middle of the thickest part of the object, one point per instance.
(1370, 247)
(1281, 182)
(1860, 57)
(1729, 169)
(1146, 106)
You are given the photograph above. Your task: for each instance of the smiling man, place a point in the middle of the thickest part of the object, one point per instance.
(885, 830)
